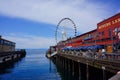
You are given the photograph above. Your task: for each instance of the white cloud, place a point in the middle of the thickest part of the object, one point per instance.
(30, 41)
(119, 11)
(85, 14)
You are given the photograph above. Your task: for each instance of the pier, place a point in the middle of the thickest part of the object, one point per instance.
(11, 56)
(94, 54)
(8, 52)
(88, 66)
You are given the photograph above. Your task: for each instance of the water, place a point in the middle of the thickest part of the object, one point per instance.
(35, 66)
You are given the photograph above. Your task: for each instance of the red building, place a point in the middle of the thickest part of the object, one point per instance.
(105, 35)
(107, 31)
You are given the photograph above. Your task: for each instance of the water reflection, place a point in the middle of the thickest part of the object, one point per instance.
(35, 66)
(8, 66)
(66, 75)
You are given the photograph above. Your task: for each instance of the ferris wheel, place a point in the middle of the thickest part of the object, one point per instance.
(65, 29)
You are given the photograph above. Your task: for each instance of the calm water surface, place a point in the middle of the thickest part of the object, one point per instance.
(35, 66)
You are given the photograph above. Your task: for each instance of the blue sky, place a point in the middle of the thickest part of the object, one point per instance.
(32, 23)
(19, 25)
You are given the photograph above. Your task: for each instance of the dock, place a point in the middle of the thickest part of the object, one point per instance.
(74, 62)
(11, 56)
(94, 54)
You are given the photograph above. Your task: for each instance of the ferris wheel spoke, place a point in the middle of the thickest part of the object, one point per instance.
(65, 29)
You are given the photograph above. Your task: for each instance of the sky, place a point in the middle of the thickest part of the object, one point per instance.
(32, 23)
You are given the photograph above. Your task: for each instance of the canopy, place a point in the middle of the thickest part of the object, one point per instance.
(83, 47)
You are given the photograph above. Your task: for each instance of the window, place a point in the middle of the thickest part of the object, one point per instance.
(115, 30)
(1, 41)
(102, 32)
(110, 32)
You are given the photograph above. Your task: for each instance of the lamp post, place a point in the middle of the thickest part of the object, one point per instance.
(115, 31)
(94, 51)
(112, 41)
(112, 38)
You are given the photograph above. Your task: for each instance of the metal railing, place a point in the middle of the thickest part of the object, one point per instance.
(94, 55)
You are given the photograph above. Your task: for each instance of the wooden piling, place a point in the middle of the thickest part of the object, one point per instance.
(73, 68)
(79, 71)
(87, 71)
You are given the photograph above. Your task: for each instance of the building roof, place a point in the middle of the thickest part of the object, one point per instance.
(6, 40)
(108, 18)
(86, 33)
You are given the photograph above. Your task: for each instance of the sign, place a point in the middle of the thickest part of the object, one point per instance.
(109, 23)
(109, 48)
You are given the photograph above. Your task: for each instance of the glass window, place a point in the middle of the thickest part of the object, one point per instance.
(109, 32)
(102, 32)
(1, 41)
(115, 30)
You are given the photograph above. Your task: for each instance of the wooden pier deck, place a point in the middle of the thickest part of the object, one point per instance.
(69, 61)
(109, 65)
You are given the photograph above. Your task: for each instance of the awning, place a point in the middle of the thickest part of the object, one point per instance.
(83, 47)
(98, 46)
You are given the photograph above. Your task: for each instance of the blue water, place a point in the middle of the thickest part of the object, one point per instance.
(35, 66)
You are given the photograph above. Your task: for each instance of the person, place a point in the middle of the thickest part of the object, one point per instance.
(103, 50)
(103, 53)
